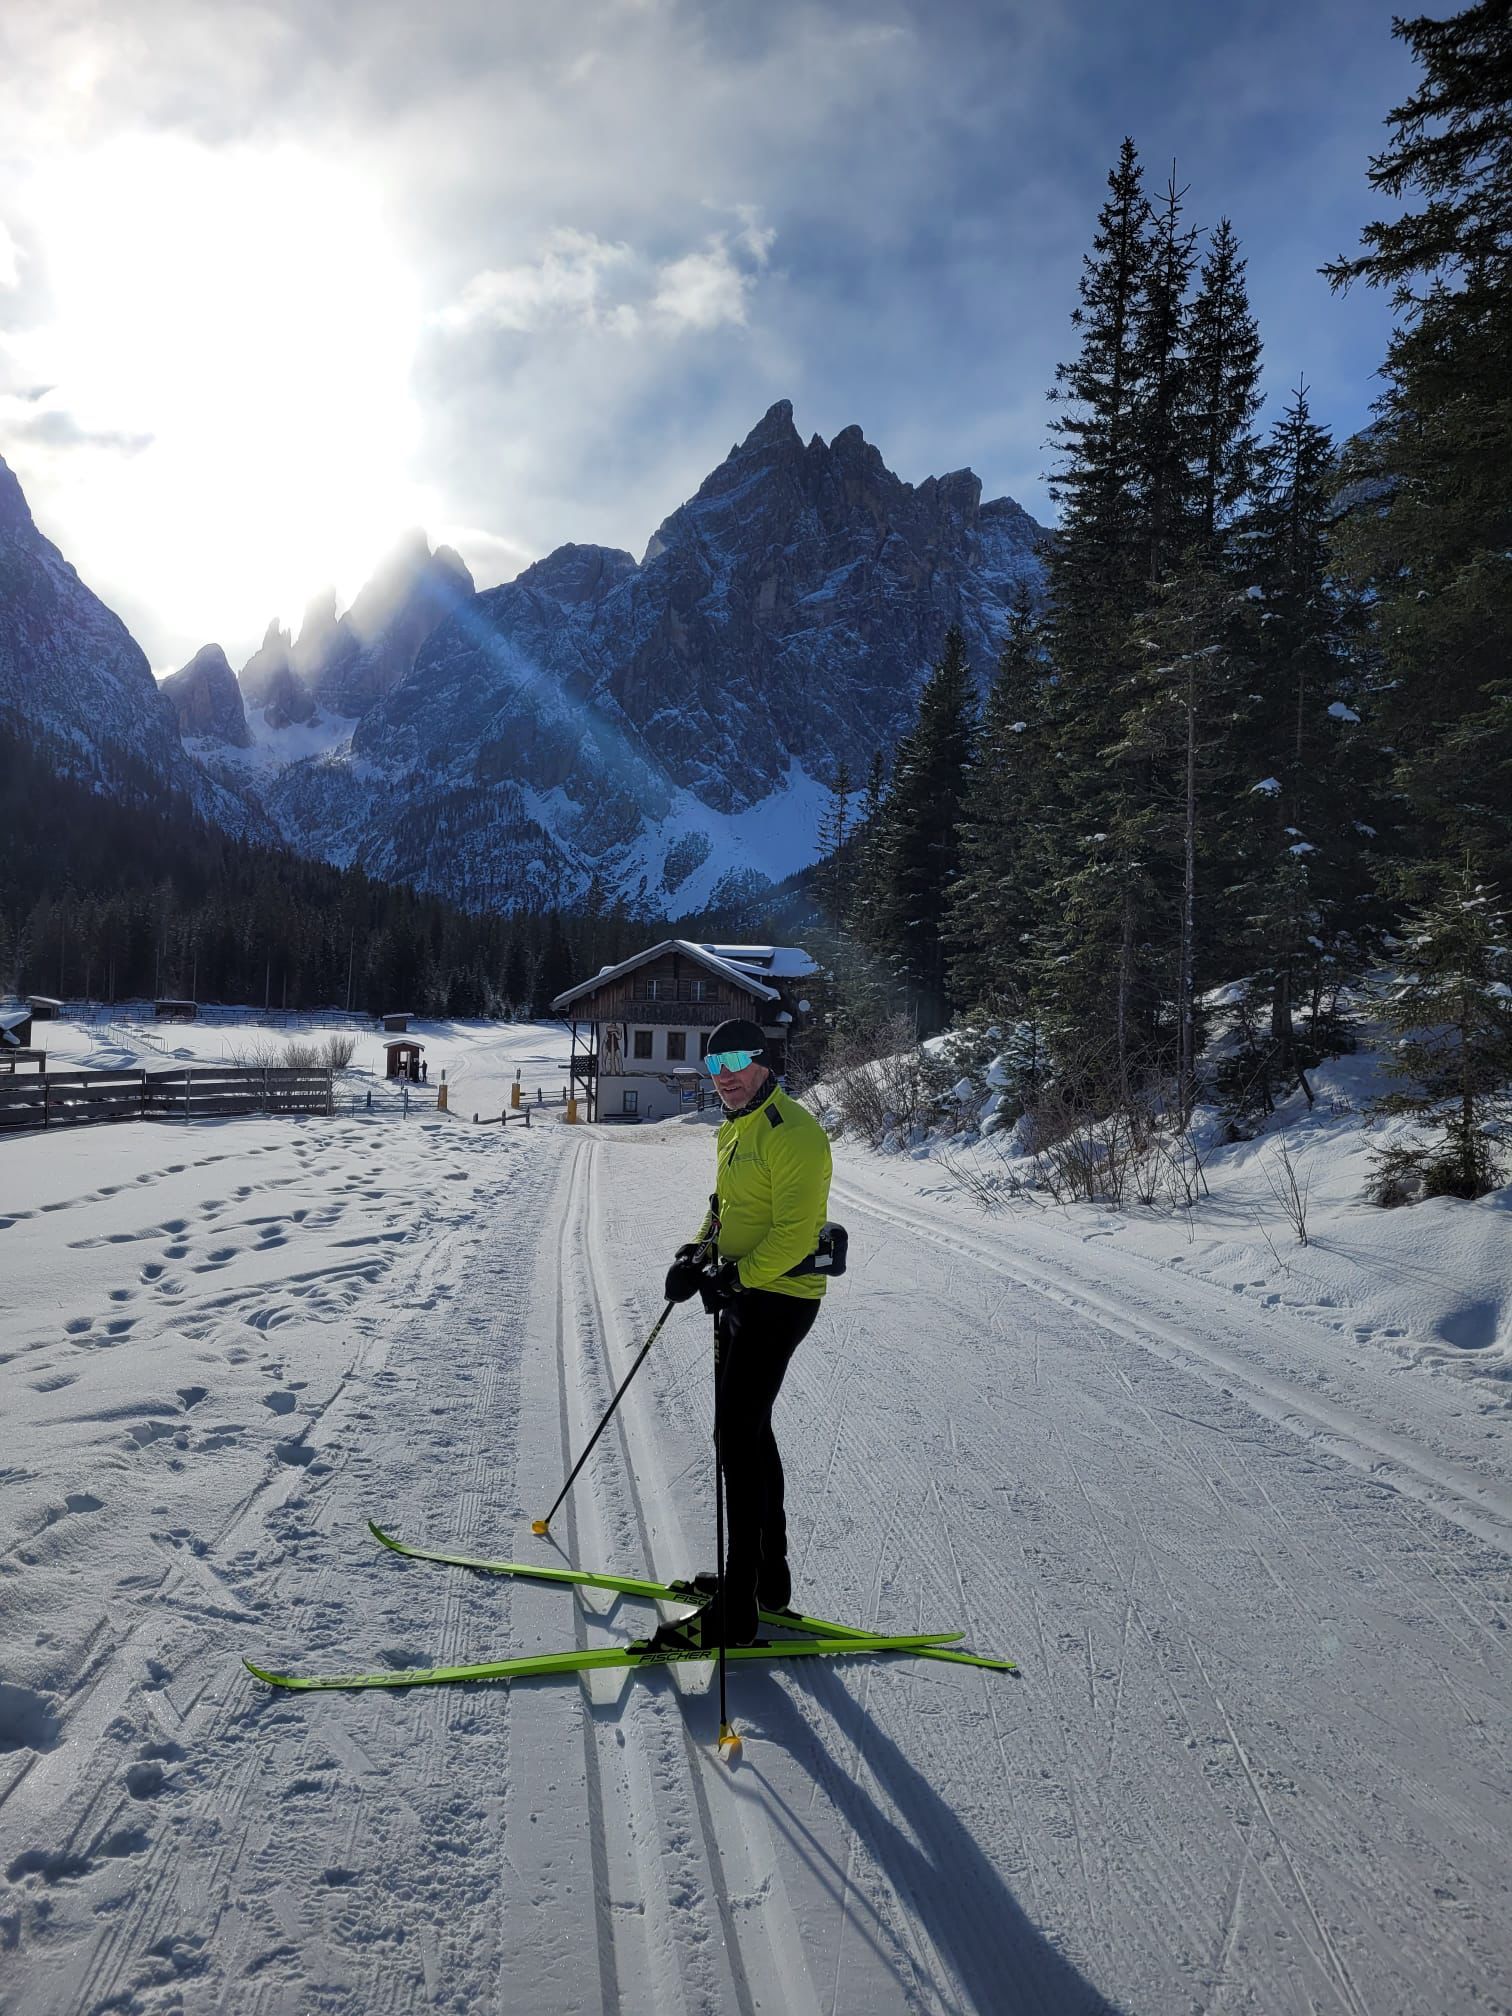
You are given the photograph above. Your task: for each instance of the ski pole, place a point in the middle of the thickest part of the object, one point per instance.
(729, 1741)
(543, 1526)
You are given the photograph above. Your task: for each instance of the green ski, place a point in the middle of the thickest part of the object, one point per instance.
(665, 1592)
(601, 1657)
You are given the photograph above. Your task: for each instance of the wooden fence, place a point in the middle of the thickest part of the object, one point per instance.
(195, 1092)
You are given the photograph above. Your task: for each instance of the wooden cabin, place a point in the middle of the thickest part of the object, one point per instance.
(640, 1029)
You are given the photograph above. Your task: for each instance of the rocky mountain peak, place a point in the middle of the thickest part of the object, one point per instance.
(72, 677)
(373, 647)
(317, 635)
(207, 700)
(574, 574)
(268, 681)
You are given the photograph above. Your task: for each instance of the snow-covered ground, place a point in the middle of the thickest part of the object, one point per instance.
(1252, 1556)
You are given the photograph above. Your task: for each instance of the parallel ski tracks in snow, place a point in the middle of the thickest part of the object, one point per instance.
(661, 1959)
(1482, 1508)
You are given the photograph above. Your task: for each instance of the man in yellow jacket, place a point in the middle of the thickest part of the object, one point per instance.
(771, 1194)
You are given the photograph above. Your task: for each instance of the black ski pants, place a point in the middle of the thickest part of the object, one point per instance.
(756, 1335)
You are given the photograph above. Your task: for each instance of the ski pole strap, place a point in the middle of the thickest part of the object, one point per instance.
(828, 1257)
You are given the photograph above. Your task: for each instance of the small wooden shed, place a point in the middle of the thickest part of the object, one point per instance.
(175, 1011)
(403, 1059)
(44, 1007)
(397, 1023)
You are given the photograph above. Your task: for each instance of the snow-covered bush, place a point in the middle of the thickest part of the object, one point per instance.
(980, 1074)
(1451, 1013)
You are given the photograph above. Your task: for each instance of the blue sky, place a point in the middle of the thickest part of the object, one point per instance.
(276, 283)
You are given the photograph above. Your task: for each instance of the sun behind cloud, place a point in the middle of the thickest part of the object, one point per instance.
(227, 358)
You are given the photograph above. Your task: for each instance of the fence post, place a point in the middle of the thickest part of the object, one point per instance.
(188, 1081)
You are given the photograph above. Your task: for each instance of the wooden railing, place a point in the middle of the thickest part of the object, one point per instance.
(197, 1092)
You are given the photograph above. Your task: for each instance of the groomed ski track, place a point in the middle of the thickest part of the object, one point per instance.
(1257, 1760)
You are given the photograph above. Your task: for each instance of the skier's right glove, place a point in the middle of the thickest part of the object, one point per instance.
(685, 1276)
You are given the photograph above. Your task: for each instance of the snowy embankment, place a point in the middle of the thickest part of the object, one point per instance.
(1255, 1568)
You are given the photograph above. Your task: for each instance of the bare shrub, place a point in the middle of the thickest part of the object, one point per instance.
(990, 1189)
(1289, 1186)
(258, 1053)
(299, 1055)
(877, 1083)
(337, 1052)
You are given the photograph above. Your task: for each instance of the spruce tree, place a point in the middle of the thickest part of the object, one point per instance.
(1096, 561)
(918, 845)
(1433, 537)
(992, 905)
(1451, 1012)
(1088, 935)
(1165, 447)
(1223, 389)
(837, 865)
(1308, 799)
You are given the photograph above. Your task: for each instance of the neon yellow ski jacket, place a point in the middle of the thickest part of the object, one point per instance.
(773, 1188)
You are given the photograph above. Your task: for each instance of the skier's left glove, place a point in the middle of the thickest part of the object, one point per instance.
(721, 1285)
(685, 1277)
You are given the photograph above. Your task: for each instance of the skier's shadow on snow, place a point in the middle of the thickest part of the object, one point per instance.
(1001, 1958)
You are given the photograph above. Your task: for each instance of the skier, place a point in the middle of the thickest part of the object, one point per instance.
(772, 1188)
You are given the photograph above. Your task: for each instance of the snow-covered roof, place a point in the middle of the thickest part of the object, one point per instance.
(701, 955)
(11, 1020)
(781, 962)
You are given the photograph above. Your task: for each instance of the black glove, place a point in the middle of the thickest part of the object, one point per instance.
(719, 1285)
(685, 1276)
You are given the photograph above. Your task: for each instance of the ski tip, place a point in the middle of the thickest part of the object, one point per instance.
(262, 1673)
(540, 1526)
(385, 1539)
(729, 1744)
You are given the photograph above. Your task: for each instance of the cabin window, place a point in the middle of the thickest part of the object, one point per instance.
(631, 1103)
(643, 1043)
(677, 1045)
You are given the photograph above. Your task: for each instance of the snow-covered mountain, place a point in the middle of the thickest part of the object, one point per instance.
(73, 678)
(671, 723)
(344, 666)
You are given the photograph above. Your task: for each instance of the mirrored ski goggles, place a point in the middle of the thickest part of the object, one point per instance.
(730, 1060)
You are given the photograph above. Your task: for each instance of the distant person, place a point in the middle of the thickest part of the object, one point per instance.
(424, 1068)
(772, 1163)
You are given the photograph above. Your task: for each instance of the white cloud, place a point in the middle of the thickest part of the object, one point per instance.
(570, 282)
(703, 289)
(10, 258)
(589, 282)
